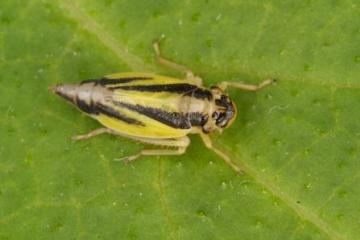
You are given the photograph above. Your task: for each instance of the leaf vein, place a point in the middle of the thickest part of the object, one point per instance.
(301, 211)
(89, 24)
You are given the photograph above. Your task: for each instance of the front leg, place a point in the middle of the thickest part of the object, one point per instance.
(207, 142)
(163, 61)
(246, 87)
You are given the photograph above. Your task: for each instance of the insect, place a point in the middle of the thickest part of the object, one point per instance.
(156, 109)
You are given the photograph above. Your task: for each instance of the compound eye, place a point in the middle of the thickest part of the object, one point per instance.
(220, 119)
(215, 115)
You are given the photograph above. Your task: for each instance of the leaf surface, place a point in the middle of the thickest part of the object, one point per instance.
(298, 141)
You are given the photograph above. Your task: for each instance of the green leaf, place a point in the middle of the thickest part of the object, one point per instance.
(298, 141)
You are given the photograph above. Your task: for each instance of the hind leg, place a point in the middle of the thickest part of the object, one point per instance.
(180, 145)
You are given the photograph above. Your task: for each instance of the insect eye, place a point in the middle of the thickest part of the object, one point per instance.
(204, 118)
(223, 98)
(220, 118)
(215, 115)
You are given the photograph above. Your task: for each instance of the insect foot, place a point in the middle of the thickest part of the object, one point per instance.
(128, 159)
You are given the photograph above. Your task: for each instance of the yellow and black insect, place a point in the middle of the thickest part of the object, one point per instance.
(156, 109)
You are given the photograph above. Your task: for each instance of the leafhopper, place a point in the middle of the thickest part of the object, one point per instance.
(157, 110)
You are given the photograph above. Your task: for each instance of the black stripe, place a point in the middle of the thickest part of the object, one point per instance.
(65, 96)
(176, 88)
(88, 108)
(172, 119)
(197, 118)
(200, 94)
(98, 108)
(108, 81)
(181, 88)
(88, 81)
(112, 113)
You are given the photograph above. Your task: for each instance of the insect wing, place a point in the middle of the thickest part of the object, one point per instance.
(145, 105)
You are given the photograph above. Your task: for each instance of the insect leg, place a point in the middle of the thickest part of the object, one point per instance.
(207, 141)
(178, 142)
(246, 87)
(181, 144)
(153, 152)
(91, 134)
(163, 61)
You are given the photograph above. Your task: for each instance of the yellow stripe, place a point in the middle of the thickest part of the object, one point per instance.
(157, 79)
